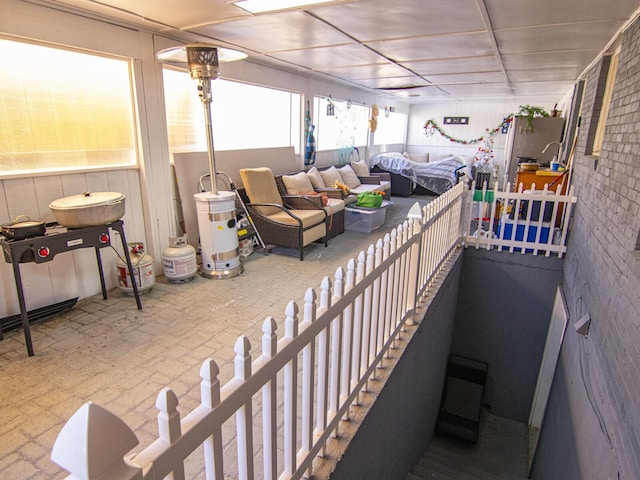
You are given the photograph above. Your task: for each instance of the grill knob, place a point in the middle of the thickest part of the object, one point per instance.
(43, 252)
(104, 238)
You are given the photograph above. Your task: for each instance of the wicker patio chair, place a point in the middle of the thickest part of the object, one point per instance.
(292, 222)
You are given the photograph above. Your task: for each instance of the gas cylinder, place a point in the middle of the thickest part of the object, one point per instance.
(179, 260)
(142, 264)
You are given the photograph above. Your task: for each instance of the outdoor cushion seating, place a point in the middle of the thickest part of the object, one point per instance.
(324, 180)
(300, 184)
(294, 221)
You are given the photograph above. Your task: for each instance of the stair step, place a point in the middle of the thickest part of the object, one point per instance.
(425, 471)
(455, 470)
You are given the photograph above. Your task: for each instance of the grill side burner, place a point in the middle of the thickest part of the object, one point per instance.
(58, 239)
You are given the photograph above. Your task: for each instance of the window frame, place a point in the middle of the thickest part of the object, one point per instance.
(295, 124)
(605, 104)
(133, 113)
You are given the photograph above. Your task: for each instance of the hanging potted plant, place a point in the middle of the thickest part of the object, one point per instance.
(530, 112)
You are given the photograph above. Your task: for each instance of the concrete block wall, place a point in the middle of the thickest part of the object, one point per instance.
(592, 426)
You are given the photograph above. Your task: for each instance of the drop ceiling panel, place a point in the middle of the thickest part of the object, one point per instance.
(179, 15)
(478, 89)
(334, 56)
(379, 19)
(422, 94)
(425, 48)
(383, 70)
(479, 77)
(544, 75)
(454, 65)
(396, 82)
(555, 38)
(274, 33)
(546, 12)
(539, 88)
(578, 59)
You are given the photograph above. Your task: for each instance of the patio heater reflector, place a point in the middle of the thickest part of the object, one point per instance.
(215, 209)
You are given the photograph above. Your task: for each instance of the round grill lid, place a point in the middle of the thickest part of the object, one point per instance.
(87, 199)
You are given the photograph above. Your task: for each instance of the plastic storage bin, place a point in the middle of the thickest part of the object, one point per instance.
(363, 220)
(505, 230)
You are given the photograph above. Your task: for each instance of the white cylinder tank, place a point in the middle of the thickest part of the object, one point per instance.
(218, 234)
(142, 265)
(179, 260)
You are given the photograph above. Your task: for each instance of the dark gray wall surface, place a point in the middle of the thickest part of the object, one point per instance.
(400, 424)
(504, 308)
(592, 426)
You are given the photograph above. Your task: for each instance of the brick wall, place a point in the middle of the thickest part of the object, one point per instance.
(602, 277)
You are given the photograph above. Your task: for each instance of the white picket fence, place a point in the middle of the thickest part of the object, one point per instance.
(530, 221)
(316, 371)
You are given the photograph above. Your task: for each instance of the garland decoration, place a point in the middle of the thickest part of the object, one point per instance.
(431, 127)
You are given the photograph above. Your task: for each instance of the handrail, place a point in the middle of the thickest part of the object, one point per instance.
(526, 221)
(330, 350)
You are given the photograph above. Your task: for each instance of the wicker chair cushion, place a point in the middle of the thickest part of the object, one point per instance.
(360, 168)
(335, 205)
(315, 178)
(308, 217)
(297, 184)
(349, 177)
(260, 186)
(330, 176)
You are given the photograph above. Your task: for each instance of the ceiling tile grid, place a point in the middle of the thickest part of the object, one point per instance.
(417, 50)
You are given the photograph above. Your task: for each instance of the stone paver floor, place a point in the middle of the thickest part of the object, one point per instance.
(110, 353)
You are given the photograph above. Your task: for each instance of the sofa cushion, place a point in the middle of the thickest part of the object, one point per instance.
(419, 157)
(349, 177)
(369, 187)
(297, 184)
(330, 176)
(315, 178)
(360, 168)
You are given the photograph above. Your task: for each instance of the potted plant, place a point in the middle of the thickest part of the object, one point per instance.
(530, 112)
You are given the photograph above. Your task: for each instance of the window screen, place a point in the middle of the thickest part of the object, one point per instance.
(63, 110)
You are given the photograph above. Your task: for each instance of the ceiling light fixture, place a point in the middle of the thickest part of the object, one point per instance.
(264, 6)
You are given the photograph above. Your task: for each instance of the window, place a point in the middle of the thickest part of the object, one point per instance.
(63, 110)
(243, 115)
(391, 128)
(603, 114)
(347, 127)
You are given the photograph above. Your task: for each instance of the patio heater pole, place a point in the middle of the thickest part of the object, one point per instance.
(216, 209)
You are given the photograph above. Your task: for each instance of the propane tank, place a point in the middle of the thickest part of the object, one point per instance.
(179, 260)
(142, 264)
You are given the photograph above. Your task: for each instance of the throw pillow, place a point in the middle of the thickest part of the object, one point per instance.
(419, 157)
(298, 183)
(315, 178)
(360, 168)
(330, 176)
(349, 177)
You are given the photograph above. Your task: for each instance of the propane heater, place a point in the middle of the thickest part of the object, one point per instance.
(215, 209)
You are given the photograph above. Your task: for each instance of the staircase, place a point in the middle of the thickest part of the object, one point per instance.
(501, 453)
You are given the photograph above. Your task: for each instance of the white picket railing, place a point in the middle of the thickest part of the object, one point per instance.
(529, 221)
(316, 370)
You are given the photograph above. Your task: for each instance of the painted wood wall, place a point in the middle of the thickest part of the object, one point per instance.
(151, 213)
(482, 116)
(70, 274)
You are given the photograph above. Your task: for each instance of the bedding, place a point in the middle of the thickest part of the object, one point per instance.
(436, 177)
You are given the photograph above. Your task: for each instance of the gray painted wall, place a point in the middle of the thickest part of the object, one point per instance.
(397, 430)
(592, 426)
(504, 308)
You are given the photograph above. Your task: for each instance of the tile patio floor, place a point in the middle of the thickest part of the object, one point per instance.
(110, 353)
